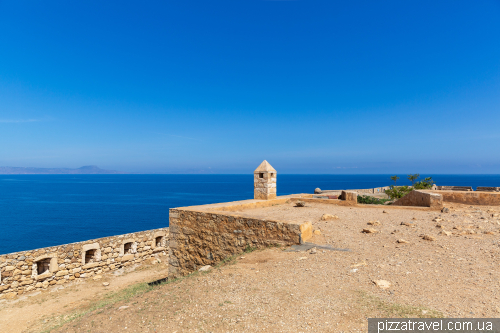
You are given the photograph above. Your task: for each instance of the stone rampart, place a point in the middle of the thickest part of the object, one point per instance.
(488, 189)
(471, 197)
(199, 238)
(454, 188)
(420, 198)
(26, 271)
(366, 190)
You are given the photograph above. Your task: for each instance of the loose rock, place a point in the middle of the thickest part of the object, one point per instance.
(205, 268)
(326, 217)
(402, 241)
(382, 284)
(370, 231)
(429, 237)
(373, 223)
(445, 210)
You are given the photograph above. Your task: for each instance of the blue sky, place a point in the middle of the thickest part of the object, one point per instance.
(218, 86)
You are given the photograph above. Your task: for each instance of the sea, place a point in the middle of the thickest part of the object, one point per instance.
(46, 210)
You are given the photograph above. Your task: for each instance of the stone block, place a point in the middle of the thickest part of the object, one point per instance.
(127, 257)
(420, 199)
(91, 265)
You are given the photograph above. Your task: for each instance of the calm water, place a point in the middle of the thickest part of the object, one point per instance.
(45, 210)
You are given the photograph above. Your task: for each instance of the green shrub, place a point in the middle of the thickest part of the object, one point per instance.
(368, 200)
(396, 192)
(424, 184)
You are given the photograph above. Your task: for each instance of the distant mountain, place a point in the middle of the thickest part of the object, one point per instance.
(84, 170)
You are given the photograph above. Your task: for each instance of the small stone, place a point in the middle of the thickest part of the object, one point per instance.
(384, 211)
(359, 264)
(326, 217)
(300, 204)
(317, 232)
(123, 307)
(313, 251)
(408, 224)
(370, 231)
(373, 223)
(429, 237)
(317, 190)
(402, 241)
(105, 284)
(382, 284)
(445, 233)
(205, 268)
(440, 226)
(445, 210)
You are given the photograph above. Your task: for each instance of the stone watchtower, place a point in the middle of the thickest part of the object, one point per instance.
(264, 182)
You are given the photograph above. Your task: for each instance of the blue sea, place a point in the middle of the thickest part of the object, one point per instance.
(46, 210)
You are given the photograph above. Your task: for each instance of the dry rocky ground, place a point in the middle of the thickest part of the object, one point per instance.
(453, 272)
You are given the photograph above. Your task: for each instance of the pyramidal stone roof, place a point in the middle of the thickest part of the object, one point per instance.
(265, 167)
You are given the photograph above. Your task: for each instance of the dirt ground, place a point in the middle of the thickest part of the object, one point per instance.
(37, 311)
(452, 274)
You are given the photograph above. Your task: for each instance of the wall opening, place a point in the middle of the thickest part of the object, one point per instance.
(261, 175)
(43, 266)
(159, 241)
(127, 248)
(90, 256)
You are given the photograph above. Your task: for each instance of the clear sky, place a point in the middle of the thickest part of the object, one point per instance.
(219, 86)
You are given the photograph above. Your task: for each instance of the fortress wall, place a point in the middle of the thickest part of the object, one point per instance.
(471, 197)
(38, 269)
(366, 190)
(199, 238)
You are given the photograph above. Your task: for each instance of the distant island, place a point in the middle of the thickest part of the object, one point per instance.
(84, 170)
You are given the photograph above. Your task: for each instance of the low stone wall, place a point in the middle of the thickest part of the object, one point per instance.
(454, 188)
(26, 271)
(199, 238)
(366, 190)
(488, 189)
(420, 199)
(471, 197)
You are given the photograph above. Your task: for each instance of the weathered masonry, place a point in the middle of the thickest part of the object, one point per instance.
(264, 182)
(199, 236)
(27, 271)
